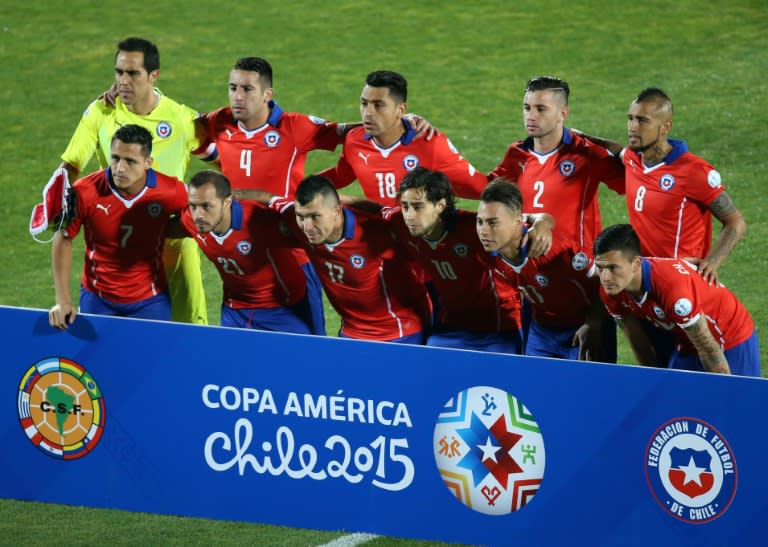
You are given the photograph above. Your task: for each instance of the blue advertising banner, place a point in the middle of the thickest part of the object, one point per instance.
(396, 440)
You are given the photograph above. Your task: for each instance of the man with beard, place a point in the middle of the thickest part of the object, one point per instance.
(263, 286)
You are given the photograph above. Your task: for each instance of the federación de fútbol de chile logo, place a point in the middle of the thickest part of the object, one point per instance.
(489, 450)
(691, 470)
(61, 408)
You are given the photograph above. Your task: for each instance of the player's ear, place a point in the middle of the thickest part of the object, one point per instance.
(402, 108)
(152, 76)
(564, 112)
(441, 204)
(268, 94)
(149, 161)
(667, 126)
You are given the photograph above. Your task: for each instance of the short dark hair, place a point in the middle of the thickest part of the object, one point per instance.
(135, 134)
(256, 64)
(654, 93)
(219, 181)
(542, 83)
(151, 54)
(501, 190)
(436, 186)
(396, 83)
(619, 237)
(313, 186)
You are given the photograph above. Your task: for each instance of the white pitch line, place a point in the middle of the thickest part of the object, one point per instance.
(350, 540)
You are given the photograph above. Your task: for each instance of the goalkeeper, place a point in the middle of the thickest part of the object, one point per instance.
(174, 138)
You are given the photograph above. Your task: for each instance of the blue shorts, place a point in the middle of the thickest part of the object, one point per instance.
(496, 342)
(316, 319)
(294, 319)
(157, 307)
(549, 342)
(415, 339)
(743, 359)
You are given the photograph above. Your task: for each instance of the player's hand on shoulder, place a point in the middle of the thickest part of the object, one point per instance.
(61, 316)
(707, 269)
(422, 126)
(539, 235)
(109, 96)
(540, 240)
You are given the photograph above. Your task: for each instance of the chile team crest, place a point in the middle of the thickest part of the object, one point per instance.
(244, 247)
(410, 162)
(164, 130)
(61, 408)
(567, 168)
(666, 182)
(691, 470)
(272, 139)
(489, 450)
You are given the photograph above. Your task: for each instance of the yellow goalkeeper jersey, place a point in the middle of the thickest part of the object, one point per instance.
(171, 124)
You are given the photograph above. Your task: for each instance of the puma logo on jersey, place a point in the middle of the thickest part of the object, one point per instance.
(229, 134)
(364, 157)
(522, 166)
(104, 208)
(201, 237)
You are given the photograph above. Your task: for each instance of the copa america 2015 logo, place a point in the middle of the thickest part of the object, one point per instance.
(61, 408)
(691, 470)
(489, 450)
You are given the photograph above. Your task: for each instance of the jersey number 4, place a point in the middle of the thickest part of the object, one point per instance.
(245, 162)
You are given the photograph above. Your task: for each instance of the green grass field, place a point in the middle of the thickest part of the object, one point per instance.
(466, 64)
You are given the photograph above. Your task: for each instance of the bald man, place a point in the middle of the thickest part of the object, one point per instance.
(671, 197)
(672, 193)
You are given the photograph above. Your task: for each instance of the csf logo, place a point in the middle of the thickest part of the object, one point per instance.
(61, 408)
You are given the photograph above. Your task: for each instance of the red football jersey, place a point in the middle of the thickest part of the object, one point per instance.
(271, 157)
(124, 236)
(560, 285)
(367, 278)
(470, 296)
(668, 203)
(256, 267)
(564, 183)
(675, 296)
(380, 170)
